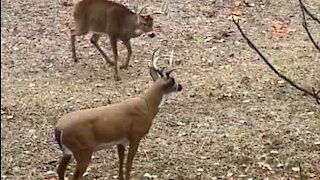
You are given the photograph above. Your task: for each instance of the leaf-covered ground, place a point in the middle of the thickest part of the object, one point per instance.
(234, 118)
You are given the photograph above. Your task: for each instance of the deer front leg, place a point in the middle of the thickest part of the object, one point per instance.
(121, 150)
(128, 46)
(83, 159)
(94, 40)
(114, 47)
(133, 147)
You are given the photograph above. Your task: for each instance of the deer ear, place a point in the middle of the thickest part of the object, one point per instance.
(148, 18)
(154, 73)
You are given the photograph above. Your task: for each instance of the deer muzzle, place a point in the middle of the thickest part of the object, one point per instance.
(179, 87)
(151, 35)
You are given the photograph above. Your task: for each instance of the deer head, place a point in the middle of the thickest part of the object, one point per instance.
(162, 76)
(145, 21)
(145, 24)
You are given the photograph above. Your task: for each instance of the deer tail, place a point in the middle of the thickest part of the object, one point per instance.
(58, 135)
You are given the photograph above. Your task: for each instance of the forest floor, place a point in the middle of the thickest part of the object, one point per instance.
(234, 119)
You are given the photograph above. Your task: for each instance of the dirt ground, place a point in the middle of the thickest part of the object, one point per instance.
(234, 119)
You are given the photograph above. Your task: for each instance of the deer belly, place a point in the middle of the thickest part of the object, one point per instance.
(101, 146)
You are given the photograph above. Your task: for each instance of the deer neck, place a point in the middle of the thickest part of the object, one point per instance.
(153, 97)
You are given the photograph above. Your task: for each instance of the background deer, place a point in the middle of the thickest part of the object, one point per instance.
(83, 132)
(113, 19)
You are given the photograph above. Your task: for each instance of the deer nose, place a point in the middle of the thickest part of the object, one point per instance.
(152, 35)
(179, 87)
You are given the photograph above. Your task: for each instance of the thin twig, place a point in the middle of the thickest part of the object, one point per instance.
(304, 23)
(308, 12)
(314, 94)
(146, 154)
(300, 171)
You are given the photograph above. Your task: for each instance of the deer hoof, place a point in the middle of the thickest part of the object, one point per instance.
(117, 77)
(124, 66)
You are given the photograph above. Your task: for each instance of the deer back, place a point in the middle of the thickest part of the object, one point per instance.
(102, 16)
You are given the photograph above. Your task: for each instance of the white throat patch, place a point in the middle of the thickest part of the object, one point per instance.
(138, 31)
(163, 100)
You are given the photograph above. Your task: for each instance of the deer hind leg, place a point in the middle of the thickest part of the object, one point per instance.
(128, 46)
(81, 29)
(133, 147)
(113, 41)
(94, 40)
(83, 159)
(65, 160)
(121, 150)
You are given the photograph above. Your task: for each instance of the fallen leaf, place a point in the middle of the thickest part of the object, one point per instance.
(203, 157)
(200, 170)
(99, 85)
(229, 174)
(317, 143)
(280, 165)
(296, 169)
(238, 8)
(233, 17)
(65, 3)
(150, 176)
(50, 173)
(264, 166)
(311, 175)
(280, 29)
(237, 3)
(274, 152)
(237, 12)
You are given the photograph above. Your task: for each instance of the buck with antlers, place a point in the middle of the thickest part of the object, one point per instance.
(113, 19)
(83, 132)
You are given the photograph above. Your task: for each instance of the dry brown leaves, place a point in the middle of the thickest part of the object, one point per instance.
(280, 29)
(237, 11)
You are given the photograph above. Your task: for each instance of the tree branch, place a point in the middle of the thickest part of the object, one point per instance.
(314, 94)
(304, 23)
(308, 12)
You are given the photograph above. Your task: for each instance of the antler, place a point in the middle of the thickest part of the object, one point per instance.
(143, 7)
(135, 7)
(164, 9)
(170, 64)
(155, 59)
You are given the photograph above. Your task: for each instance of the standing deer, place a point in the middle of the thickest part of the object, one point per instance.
(83, 132)
(113, 19)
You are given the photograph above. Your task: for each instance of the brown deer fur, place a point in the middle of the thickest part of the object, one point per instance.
(113, 19)
(83, 132)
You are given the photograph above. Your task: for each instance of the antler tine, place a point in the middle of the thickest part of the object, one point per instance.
(135, 7)
(155, 60)
(170, 64)
(171, 58)
(164, 9)
(143, 7)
